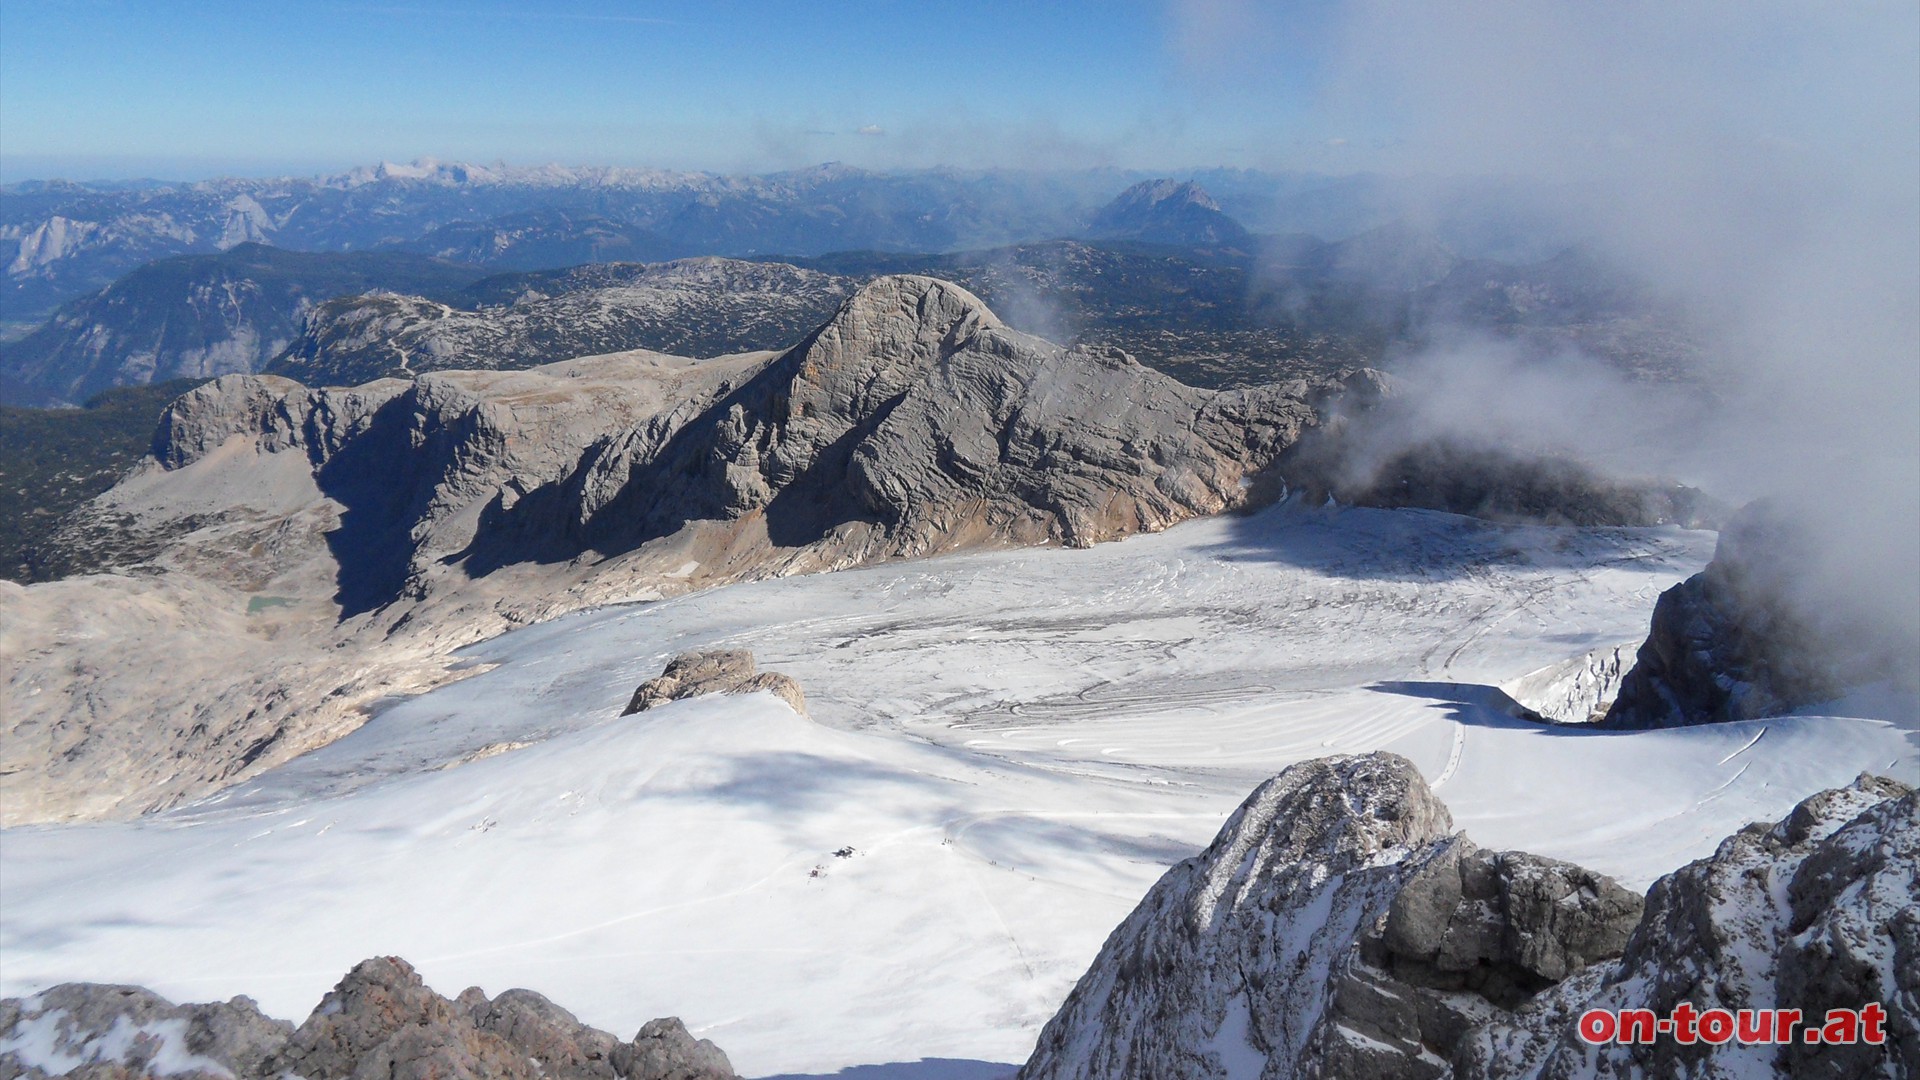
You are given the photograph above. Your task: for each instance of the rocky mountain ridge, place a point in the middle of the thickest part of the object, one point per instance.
(198, 316)
(368, 531)
(1335, 928)
(381, 1019)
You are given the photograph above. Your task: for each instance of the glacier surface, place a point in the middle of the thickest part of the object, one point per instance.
(1006, 750)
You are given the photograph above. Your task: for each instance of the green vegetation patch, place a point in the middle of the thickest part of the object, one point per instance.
(53, 460)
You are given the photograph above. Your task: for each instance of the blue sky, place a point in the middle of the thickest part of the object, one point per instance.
(106, 88)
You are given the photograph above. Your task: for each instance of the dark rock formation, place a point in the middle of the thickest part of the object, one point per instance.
(1472, 935)
(1505, 485)
(717, 671)
(1365, 456)
(1333, 930)
(1504, 925)
(381, 1020)
(1754, 635)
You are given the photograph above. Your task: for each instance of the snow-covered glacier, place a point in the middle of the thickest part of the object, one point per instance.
(1006, 749)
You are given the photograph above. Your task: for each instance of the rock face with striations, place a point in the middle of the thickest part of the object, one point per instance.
(718, 671)
(1335, 929)
(368, 531)
(1753, 635)
(381, 1020)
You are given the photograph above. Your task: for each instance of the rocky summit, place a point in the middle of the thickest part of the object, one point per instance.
(1168, 212)
(365, 532)
(1336, 928)
(380, 1020)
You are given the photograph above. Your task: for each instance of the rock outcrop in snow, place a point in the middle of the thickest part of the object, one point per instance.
(368, 531)
(1757, 634)
(716, 671)
(1334, 928)
(381, 1020)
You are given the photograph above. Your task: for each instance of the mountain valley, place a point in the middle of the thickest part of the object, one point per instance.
(1197, 540)
(376, 641)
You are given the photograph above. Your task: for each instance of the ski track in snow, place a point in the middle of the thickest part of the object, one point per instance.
(1014, 746)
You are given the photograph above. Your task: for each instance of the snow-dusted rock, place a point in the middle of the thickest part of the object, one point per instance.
(716, 671)
(1334, 929)
(380, 1020)
(1228, 965)
(1815, 912)
(90, 1029)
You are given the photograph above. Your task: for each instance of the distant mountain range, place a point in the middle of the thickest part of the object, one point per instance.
(60, 240)
(1213, 313)
(71, 239)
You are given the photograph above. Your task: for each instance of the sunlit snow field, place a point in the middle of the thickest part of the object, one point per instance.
(1005, 751)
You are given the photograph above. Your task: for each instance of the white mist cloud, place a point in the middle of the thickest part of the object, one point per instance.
(1759, 160)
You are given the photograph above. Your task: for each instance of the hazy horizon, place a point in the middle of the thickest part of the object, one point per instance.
(116, 89)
